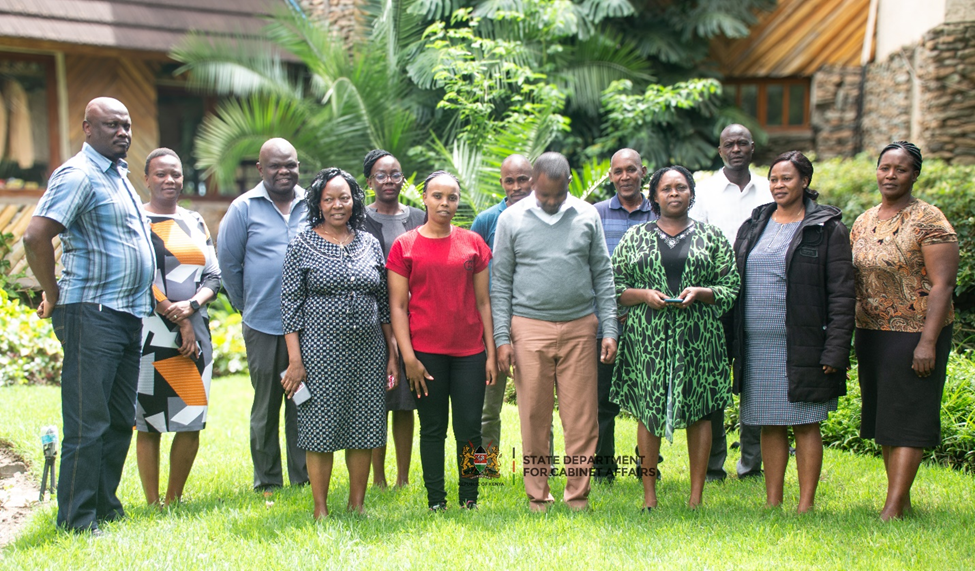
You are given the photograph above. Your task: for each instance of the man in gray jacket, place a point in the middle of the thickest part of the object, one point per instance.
(550, 268)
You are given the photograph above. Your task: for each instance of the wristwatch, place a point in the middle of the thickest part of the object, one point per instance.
(195, 305)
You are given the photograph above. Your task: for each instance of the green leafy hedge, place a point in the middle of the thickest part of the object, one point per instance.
(226, 330)
(29, 351)
(957, 449)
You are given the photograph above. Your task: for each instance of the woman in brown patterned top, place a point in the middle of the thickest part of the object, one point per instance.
(905, 255)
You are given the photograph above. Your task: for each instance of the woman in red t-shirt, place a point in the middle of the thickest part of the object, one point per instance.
(441, 316)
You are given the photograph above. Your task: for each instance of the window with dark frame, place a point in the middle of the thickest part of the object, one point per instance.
(777, 104)
(29, 140)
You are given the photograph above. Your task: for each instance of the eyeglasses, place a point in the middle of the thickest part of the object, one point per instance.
(381, 177)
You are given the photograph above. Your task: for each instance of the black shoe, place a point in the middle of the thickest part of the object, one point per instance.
(111, 516)
(468, 505)
(746, 475)
(604, 480)
(715, 477)
(93, 531)
(438, 508)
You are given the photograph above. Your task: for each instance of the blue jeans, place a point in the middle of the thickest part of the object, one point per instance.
(102, 352)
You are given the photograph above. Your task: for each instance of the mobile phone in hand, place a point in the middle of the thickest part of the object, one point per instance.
(673, 300)
(301, 395)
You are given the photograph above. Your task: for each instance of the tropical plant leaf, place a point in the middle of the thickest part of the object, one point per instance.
(599, 10)
(597, 62)
(238, 66)
(238, 129)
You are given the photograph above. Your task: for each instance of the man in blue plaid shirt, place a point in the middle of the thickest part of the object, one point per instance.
(96, 307)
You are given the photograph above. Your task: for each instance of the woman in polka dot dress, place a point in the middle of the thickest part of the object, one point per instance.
(335, 311)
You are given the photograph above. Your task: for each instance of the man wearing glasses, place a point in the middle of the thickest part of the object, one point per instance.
(387, 219)
(251, 244)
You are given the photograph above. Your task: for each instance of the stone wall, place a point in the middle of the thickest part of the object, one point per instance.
(781, 142)
(339, 14)
(888, 101)
(835, 106)
(946, 77)
(924, 93)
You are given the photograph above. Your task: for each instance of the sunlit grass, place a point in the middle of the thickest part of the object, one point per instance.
(223, 524)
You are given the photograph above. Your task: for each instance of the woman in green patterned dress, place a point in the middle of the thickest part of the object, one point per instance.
(677, 277)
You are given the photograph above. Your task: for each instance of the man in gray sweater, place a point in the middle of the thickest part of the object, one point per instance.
(550, 268)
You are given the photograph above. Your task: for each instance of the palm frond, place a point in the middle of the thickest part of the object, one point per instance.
(708, 24)
(238, 129)
(663, 46)
(314, 44)
(434, 9)
(595, 63)
(589, 181)
(599, 10)
(238, 66)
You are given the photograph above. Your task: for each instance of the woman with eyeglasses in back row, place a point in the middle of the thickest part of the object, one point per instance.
(387, 219)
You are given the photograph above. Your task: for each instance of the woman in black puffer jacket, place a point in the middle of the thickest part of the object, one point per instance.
(793, 321)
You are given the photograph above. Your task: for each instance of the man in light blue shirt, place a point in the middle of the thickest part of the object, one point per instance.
(96, 309)
(251, 244)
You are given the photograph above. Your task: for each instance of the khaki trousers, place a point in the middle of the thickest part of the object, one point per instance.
(556, 358)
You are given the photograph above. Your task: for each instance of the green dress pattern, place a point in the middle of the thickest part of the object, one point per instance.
(672, 367)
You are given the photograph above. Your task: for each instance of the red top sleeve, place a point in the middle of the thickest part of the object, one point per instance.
(443, 310)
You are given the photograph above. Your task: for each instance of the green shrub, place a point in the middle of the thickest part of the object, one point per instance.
(29, 351)
(226, 330)
(957, 449)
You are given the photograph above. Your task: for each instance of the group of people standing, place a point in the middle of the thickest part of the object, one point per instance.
(352, 311)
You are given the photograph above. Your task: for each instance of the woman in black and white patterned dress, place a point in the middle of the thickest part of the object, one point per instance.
(335, 311)
(794, 323)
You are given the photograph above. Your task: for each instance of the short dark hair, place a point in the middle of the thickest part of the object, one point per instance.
(160, 152)
(909, 148)
(372, 157)
(314, 198)
(436, 174)
(802, 164)
(553, 165)
(655, 182)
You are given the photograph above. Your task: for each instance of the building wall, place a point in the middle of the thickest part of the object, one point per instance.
(888, 101)
(339, 14)
(924, 94)
(959, 11)
(903, 22)
(835, 106)
(131, 81)
(946, 82)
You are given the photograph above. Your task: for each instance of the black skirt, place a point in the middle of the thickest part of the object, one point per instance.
(899, 407)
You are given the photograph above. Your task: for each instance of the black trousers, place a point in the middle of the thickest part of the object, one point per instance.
(458, 384)
(605, 463)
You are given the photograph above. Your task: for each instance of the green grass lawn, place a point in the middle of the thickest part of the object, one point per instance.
(222, 524)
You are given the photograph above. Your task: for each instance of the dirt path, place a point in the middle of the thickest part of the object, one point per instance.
(18, 495)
